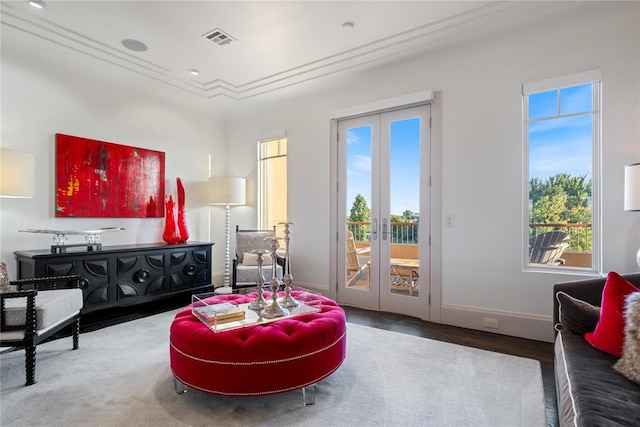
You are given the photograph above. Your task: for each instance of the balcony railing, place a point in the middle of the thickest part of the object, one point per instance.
(402, 233)
(580, 235)
(361, 230)
(406, 233)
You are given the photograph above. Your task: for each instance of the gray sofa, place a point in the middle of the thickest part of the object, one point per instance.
(589, 391)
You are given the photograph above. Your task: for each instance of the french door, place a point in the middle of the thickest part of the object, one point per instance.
(383, 211)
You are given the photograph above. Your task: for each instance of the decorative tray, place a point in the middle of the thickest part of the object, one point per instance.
(227, 315)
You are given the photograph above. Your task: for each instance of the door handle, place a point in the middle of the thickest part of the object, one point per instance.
(374, 229)
(384, 229)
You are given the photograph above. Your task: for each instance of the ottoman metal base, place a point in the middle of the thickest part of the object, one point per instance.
(308, 392)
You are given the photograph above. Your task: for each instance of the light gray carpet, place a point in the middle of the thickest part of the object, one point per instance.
(120, 376)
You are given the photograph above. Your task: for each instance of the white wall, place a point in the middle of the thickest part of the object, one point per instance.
(480, 84)
(39, 101)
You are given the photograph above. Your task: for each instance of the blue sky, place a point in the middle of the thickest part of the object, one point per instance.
(562, 144)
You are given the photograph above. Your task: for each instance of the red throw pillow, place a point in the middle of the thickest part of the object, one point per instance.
(609, 333)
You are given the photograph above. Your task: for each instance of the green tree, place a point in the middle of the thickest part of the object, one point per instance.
(576, 188)
(563, 199)
(550, 208)
(408, 216)
(360, 212)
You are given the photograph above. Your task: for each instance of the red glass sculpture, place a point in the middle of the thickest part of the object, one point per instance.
(182, 221)
(171, 233)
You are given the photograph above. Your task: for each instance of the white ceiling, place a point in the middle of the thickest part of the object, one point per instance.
(295, 45)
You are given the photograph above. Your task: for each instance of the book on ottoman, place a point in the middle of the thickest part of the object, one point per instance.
(219, 313)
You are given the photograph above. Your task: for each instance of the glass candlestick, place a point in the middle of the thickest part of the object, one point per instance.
(274, 309)
(288, 300)
(259, 303)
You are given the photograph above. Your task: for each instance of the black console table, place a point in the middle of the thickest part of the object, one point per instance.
(125, 275)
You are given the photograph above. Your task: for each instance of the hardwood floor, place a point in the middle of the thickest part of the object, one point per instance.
(541, 351)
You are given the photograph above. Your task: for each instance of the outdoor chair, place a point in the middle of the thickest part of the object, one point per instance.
(35, 309)
(245, 265)
(546, 248)
(404, 278)
(357, 264)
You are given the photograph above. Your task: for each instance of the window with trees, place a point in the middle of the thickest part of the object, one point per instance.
(272, 182)
(561, 175)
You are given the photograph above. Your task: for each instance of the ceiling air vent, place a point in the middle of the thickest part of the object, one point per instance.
(219, 37)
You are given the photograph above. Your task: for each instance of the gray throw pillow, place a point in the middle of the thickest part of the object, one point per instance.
(629, 364)
(576, 316)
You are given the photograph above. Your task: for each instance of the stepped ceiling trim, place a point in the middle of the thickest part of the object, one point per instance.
(478, 19)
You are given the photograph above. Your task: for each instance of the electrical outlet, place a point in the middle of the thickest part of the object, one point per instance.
(490, 322)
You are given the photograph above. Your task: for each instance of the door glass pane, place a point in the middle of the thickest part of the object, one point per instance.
(358, 203)
(404, 200)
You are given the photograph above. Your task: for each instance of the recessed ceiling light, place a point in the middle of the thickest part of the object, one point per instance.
(38, 4)
(194, 72)
(348, 25)
(135, 45)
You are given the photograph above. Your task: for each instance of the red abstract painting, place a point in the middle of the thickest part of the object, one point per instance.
(96, 179)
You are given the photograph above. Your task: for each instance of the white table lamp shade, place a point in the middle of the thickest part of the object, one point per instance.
(632, 187)
(227, 191)
(16, 174)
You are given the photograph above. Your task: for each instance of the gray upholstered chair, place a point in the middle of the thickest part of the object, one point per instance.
(35, 309)
(245, 267)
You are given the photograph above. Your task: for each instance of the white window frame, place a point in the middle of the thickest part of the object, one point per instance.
(594, 77)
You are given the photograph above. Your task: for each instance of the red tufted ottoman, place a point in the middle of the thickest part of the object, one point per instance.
(276, 357)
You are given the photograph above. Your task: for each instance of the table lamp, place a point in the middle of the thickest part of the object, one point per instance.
(227, 191)
(16, 174)
(632, 192)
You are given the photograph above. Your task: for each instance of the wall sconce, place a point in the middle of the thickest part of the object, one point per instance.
(16, 174)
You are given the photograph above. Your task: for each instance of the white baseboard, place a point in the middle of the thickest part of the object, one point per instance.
(533, 327)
